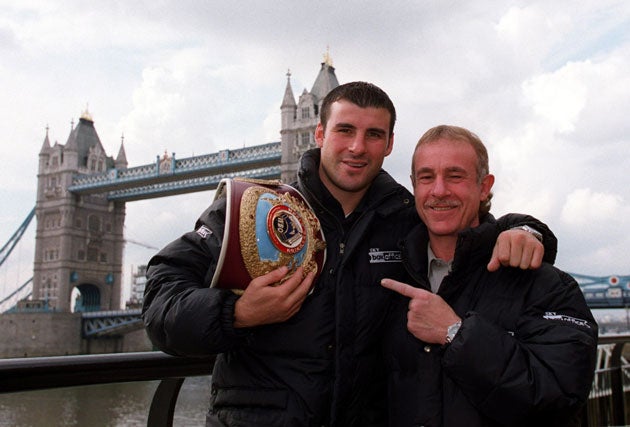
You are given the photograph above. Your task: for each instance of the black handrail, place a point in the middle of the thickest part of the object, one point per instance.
(38, 373)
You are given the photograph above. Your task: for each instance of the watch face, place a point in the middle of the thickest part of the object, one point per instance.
(532, 231)
(452, 331)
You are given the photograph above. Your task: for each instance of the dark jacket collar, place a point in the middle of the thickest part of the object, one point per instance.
(474, 247)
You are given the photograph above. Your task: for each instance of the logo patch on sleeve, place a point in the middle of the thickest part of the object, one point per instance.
(203, 231)
(552, 315)
(378, 256)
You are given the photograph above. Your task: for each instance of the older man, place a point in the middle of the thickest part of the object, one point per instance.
(472, 347)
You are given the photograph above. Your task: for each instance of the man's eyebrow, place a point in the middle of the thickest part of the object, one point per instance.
(450, 169)
(456, 169)
(344, 125)
(425, 169)
(378, 130)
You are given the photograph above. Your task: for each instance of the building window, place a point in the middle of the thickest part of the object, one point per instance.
(94, 223)
(306, 113)
(92, 254)
(103, 257)
(305, 138)
(81, 255)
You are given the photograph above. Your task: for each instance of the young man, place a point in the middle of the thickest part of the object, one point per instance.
(287, 357)
(471, 347)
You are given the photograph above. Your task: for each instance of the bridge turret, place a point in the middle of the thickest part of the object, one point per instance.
(121, 158)
(288, 111)
(44, 153)
(46, 144)
(288, 107)
(326, 79)
(71, 149)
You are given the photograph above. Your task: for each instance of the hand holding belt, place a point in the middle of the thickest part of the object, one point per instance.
(268, 224)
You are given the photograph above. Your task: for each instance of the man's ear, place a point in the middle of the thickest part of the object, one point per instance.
(319, 135)
(486, 186)
(390, 145)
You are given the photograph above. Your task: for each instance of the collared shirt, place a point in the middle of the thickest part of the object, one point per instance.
(438, 269)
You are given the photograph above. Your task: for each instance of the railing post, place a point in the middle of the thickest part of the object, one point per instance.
(163, 404)
(616, 386)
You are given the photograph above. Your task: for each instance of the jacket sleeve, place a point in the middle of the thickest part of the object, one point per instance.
(181, 313)
(541, 372)
(550, 242)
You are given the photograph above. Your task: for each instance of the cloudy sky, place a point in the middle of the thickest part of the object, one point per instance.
(545, 84)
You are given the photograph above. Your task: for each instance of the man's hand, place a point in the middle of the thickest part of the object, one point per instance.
(429, 316)
(265, 301)
(516, 248)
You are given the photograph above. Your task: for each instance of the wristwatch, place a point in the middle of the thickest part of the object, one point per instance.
(537, 234)
(451, 331)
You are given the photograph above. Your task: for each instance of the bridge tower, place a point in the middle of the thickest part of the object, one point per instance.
(79, 238)
(300, 119)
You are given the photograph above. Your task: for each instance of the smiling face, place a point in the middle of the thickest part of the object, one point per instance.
(447, 189)
(353, 145)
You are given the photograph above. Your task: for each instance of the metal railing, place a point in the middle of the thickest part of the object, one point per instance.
(40, 373)
(606, 406)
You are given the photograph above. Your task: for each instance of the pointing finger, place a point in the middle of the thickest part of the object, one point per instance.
(400, 287)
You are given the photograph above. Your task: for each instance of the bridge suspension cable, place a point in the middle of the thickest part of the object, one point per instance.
(15, 238)
(20, 293)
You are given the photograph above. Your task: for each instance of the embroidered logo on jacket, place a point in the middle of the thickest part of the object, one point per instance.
(378, 256)
(552, 315)
(203, 231)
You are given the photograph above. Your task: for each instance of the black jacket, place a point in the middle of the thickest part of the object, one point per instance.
(524, 355)
(324, 366)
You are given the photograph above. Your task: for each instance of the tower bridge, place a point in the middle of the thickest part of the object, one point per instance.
(80, 212)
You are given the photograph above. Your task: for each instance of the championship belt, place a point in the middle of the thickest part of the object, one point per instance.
(267, 225)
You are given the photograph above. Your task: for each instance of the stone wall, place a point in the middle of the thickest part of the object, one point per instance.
(59, 334)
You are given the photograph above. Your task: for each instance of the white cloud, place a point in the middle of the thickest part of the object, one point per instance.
(584, 208)
(558, 97)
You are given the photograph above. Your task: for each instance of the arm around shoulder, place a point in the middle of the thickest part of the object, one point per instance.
(549, 240)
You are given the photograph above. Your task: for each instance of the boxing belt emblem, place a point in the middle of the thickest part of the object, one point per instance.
(268, 224)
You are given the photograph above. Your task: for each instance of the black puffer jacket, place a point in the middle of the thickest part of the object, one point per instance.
(324, 366)
(524, 355)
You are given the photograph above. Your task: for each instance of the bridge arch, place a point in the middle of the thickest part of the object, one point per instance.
(86, 298)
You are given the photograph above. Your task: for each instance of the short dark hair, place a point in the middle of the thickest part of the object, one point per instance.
(362, 94)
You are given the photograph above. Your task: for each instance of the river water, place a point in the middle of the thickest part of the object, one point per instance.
(109, 405)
